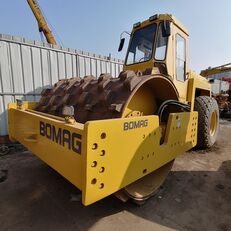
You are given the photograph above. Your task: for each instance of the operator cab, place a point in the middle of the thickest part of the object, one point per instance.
(158, 45)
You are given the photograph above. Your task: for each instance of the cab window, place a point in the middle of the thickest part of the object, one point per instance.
(161, 44)
(141, 46)
(180, 58)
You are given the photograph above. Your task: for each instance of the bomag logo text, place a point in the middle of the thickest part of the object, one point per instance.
(61, 136)
(135, 124)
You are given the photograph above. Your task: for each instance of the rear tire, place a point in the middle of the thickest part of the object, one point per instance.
(208, 121)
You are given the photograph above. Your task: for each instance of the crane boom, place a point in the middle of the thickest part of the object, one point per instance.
(42, 24)
(216, 70)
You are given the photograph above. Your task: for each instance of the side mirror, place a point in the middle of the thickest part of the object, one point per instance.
(166, 29)
(121, 44)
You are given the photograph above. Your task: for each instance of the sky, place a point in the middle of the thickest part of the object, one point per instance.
(95, 26)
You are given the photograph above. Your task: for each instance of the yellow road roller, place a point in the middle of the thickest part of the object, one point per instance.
(121, 135)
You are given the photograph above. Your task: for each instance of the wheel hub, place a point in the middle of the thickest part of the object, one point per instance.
(213, 123)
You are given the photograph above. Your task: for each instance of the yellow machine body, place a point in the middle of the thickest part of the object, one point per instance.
(120, 136)
(101, 157)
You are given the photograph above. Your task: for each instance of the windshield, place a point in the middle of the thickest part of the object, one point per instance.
(141, 46)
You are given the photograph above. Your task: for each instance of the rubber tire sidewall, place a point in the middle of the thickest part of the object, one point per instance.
(205, 106)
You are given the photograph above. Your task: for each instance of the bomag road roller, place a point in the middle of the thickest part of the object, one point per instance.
(121, 135)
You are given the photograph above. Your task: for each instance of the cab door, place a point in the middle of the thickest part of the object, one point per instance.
(180, 64)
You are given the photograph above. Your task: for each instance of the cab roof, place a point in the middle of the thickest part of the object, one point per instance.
(161, 17)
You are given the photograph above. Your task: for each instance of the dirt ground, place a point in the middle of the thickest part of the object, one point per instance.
(195, 196)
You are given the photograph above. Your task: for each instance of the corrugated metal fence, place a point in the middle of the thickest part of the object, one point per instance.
(27, 66)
